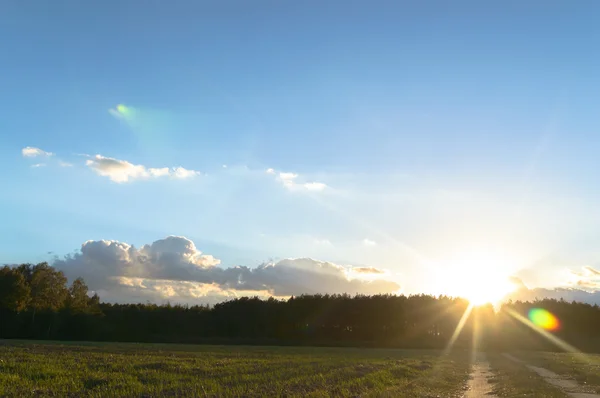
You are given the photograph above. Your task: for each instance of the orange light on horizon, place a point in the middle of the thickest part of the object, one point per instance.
(544, 319)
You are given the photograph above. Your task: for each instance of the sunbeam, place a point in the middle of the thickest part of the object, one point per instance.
(459, 328)
(553, 339)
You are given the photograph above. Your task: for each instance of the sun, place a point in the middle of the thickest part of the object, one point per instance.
(479, 276)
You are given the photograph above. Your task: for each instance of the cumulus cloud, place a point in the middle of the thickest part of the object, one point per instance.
(121, 171)
(290, 181)
(173, 268)
(32, 152)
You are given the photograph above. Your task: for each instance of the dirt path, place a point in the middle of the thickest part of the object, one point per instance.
(479, 384)
(568, 386)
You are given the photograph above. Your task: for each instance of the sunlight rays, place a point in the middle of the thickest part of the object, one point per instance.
(459, 328)
(553, 339)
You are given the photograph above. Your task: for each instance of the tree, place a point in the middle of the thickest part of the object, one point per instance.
(48, 291)
(78, 300)
(14, 291)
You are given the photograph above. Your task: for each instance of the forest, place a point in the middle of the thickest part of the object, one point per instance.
(36, 302)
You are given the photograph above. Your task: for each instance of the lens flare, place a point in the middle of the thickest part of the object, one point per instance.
(122, 109)
(544, 319)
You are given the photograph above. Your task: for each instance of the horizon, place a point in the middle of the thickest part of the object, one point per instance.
(196, 152)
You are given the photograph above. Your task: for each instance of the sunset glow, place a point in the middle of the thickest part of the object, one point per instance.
(479, 276)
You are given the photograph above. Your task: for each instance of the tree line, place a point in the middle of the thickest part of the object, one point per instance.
(36, 302)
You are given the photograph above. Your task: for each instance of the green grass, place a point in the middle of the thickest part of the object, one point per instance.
(513, 379)
(143, 370)
(584, 368)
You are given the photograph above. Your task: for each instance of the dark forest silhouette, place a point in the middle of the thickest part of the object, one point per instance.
(37, 303)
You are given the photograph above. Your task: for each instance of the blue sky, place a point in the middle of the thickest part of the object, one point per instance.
(428, 131)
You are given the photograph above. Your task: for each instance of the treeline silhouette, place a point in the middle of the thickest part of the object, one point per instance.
(37, 303)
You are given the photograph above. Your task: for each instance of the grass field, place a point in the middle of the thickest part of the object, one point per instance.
(134, 370)
(583, 368)
(148, 370)
(512, 380)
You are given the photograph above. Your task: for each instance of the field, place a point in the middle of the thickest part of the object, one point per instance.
(148, 370)
(130, 370)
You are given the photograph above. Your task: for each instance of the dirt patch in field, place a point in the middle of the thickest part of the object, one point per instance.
(479, 383)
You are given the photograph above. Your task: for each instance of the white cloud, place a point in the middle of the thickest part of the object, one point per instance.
(314, 186)
(368, 242)
(289, 180)
(121, 171)
(35, 166)
(181, 173)
(174, 268)
(32, 152)
(64, 164)
(163, 171)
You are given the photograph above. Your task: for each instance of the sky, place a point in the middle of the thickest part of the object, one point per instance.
(199, 150)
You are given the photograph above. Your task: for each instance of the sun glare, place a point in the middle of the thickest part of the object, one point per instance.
(481, 277)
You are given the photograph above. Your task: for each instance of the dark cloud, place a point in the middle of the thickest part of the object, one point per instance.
(174, 268)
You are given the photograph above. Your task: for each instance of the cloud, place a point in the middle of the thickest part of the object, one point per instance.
(314, 186)
(49, 158)
(174, 268)
(368, 270)
(181, 173)
(121, 171)
(585, 288)
(568, 294)
(591, 270)
(517, 282)
(369, 242)
(588, 284)
(289, 180)
(32, 152)
(589, 278)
